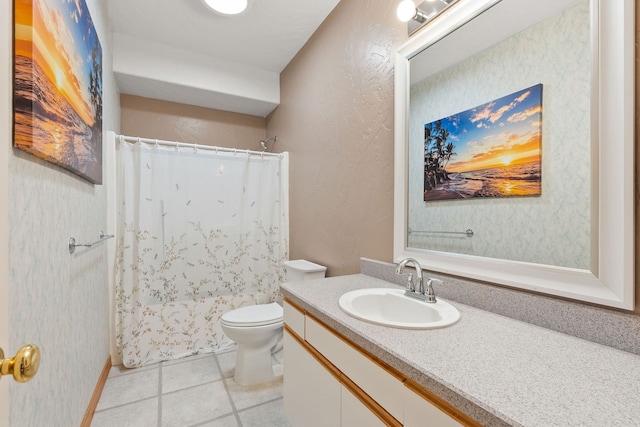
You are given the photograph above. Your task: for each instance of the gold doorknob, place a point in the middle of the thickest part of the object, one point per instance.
(23, 366)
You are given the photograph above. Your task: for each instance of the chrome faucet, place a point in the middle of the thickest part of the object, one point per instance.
(417, 290)
(411, 286)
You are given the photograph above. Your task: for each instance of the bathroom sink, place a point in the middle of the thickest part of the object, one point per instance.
(390, 307)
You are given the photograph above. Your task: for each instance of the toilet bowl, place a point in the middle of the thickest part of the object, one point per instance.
(257, 329)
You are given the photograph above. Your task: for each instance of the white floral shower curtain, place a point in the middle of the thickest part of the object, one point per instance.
(200, 233)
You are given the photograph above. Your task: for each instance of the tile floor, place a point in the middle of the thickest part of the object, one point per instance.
(195, 391)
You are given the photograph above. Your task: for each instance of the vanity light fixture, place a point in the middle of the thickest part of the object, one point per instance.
(407, 10)
(227, 7)
(417, 16)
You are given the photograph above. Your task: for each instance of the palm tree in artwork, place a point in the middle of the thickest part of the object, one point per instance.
(448, 152)
(437, 153)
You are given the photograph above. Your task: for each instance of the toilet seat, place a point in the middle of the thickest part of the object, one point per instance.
(254, 315)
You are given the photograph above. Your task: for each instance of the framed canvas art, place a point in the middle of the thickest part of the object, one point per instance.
(57, 90)
(492, 150)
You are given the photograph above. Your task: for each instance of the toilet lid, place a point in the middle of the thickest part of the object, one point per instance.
(254, 315)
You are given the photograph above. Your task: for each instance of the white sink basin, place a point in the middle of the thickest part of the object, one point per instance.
(390, 307)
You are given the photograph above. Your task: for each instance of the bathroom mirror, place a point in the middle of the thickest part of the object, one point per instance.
(575, 239)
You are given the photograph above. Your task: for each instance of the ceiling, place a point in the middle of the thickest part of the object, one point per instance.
(181, 51)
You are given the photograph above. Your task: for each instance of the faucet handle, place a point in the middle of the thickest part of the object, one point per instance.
(429, 294)
(410, 285)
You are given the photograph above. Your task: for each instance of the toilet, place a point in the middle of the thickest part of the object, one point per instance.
(257, 329)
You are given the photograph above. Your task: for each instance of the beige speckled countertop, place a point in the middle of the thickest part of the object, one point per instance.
(498, 370)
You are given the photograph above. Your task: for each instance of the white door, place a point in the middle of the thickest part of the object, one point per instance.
(6, 16)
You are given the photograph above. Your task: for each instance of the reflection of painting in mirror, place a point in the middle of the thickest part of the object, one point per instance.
(58, 85)
(495, 148)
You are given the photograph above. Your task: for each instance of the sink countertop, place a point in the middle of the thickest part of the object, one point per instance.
(497, 370)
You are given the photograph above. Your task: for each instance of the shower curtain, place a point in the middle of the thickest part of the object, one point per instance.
(200, 232)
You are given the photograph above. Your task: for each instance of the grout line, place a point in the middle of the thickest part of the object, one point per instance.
(233, 405)
(125, 404)
(260, 404)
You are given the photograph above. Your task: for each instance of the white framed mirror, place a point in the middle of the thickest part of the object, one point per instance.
(589, 255)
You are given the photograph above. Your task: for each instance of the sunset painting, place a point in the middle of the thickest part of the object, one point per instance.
(492, 150)
(57, 97)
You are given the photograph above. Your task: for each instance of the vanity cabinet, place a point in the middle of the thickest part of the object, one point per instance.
(330, 381)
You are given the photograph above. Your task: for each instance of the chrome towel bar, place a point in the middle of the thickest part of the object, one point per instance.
(73, 245)
(468, 232)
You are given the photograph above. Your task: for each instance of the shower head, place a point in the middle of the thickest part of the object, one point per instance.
(264, 142)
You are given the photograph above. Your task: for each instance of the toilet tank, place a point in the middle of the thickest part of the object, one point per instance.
(301, 269)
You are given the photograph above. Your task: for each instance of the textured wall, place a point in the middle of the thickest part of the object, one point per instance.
(59, 301)
(336, 119)
(150, 118)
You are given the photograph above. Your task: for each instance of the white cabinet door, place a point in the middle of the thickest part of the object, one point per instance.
(383, 387)
(355, 414)
(311, 393)
(419, 412)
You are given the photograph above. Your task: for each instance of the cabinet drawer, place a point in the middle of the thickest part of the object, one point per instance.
(294, 318)
(382, 386)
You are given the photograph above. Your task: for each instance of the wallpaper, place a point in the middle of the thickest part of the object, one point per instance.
(59, 301)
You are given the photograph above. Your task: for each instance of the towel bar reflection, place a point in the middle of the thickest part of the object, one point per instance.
(73, 245)
(468, 232)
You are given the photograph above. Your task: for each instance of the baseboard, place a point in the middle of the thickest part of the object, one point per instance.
(95, 398)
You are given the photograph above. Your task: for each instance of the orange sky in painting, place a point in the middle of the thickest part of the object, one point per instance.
(34, 40)
(514, 151)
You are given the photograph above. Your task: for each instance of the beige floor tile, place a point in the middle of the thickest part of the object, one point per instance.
(194, 393)
(189, 373)
(267, 415)
(129, 388)
(195, 405)
(246, 396)
(228, 421)
(140, 414)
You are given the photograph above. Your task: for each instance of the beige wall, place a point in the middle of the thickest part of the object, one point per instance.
(150, 118)
(336, 120)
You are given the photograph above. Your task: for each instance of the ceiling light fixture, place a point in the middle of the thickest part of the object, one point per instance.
(227, 7)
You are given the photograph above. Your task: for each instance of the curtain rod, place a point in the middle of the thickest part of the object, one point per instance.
(134, 139)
